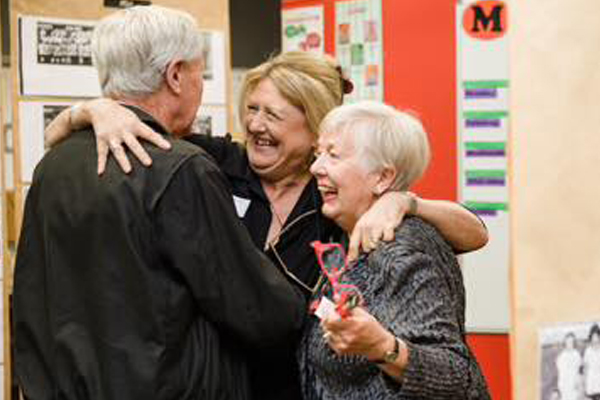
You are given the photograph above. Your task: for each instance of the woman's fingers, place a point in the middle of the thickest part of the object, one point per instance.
(117, 150)
(354, 246)
(102, 150)
(145, 132)
(138, 150)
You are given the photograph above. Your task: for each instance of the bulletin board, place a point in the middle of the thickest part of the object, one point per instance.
(555, 256)
(31, 103)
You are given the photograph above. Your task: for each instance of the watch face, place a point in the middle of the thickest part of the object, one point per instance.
(391, 356)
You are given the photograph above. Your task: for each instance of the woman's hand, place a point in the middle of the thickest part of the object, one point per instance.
(379, 222)
(359, 334)
(460, 227)
(113, 125)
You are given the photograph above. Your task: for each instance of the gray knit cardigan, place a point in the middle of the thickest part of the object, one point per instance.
(414, 287)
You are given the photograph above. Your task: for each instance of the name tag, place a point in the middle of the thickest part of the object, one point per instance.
(326, 309)
(241, 205)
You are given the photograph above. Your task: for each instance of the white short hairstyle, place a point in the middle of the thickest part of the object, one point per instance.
(384, 137)
(133, 47)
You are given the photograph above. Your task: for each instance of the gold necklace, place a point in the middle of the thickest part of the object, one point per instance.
(276, 214)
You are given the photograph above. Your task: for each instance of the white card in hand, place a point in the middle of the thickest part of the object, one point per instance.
(326, 309)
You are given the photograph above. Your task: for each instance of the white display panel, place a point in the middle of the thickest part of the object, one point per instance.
(34, 116)
(483, 128)
(359, 47)
(303, 29)
(55, 57)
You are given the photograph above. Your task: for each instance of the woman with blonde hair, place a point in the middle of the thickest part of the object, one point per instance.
(282, 103)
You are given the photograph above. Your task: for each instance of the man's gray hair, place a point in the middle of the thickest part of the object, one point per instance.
(383, 137)
(132, 48)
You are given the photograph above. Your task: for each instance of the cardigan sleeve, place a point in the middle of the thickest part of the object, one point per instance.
(423, 297)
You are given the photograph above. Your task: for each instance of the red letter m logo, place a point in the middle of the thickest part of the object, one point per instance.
(486, 19)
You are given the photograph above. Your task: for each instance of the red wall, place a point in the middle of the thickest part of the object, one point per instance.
(493, 354)
(420, 75)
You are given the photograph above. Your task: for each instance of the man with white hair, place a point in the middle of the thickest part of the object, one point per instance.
(142, 286)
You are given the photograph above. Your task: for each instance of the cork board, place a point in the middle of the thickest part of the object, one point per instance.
(211, 15)
(555, 169)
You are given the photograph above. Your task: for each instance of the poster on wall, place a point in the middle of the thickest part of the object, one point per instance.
(483, 129)
(34, 117)
(570, 361)
(211, 121)
(359, 47)
(55, 57)
(303, 29)
(214, 68)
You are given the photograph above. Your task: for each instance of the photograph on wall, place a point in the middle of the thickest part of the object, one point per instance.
(55, 57)
(303, 29)
(359, 47)
(570, 361)
(214, 69)
(211, 121)
(34, 117)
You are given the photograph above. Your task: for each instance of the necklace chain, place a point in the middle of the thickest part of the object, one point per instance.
(276, 214)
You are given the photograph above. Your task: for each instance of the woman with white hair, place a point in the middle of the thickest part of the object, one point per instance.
(406, 338)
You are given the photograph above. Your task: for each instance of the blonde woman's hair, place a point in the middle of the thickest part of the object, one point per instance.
(384, 137)
(310, 82)
(132, 48)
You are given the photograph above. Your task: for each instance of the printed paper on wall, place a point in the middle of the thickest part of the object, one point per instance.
(55, 57)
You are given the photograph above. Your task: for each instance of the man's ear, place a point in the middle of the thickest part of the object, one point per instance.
(385, 180)
(174, 76)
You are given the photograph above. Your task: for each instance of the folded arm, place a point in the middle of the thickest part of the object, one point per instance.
(460, 227)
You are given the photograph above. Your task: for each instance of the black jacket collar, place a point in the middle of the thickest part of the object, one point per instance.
(147, 119)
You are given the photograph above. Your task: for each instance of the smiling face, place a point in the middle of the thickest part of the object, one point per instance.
(278, 141)
(347, 188)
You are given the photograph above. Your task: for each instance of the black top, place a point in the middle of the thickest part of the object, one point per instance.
(141, 286)
(305, 223)
(414, 287)
(275, 373)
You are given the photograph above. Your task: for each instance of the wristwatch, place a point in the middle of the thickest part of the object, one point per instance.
(390, 356)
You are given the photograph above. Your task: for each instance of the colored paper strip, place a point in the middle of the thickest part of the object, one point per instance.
(486, 173)
(485, 153)
(486, 213)
(485, 84)
(485, 145)
(483, 93)
(482, 123)
(485, 114)
(482, 205)
(485, 182)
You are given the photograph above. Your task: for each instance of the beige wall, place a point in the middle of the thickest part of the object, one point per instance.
(555, 163)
